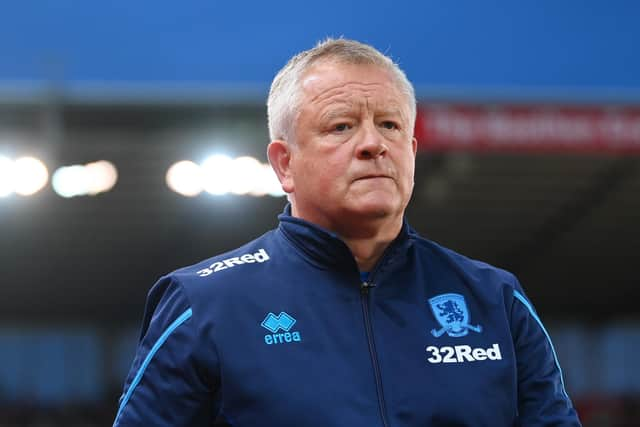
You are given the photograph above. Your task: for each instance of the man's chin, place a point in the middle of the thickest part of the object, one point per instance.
(373, 209)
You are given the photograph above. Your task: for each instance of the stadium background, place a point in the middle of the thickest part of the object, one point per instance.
(529, 139)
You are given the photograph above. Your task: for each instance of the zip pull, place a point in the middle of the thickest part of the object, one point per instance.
(365, 286)
(365, 282)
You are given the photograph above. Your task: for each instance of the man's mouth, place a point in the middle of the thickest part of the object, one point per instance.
(372, 176)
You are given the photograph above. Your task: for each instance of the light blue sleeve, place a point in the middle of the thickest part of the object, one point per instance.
(542, 398)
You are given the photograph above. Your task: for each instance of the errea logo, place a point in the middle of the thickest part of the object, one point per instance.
(283, 322)
(260, 256)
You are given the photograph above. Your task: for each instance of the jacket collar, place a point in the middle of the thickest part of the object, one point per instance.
(327, 250)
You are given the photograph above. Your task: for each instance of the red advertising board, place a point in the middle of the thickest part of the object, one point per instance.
(528, 128)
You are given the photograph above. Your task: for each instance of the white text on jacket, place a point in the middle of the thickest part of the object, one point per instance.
(462, 353)
(260, 256)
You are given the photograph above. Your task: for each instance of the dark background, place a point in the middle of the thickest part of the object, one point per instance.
(145, 85)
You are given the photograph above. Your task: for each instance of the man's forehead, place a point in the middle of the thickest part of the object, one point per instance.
(326, 76)
(328, 83)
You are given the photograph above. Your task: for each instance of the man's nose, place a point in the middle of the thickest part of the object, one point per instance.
(371, 144)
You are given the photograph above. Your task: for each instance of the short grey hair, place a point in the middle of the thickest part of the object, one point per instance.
(284, 96)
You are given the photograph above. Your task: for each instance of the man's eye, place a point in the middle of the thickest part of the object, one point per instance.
(389, 125)
(341, 127)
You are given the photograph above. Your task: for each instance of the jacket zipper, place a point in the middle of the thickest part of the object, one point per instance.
(364, 298)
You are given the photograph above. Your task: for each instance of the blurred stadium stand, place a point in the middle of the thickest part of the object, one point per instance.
(75, 271)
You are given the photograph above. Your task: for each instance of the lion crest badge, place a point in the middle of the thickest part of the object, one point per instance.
(450, 310)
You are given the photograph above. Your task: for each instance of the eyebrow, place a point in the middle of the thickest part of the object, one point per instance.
(391, 112)
(348, 110)
(394, 111)
(335, 113)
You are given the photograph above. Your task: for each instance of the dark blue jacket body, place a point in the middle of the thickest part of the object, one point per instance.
(285, 332)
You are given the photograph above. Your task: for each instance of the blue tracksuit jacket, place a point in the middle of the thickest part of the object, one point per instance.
(286, 332)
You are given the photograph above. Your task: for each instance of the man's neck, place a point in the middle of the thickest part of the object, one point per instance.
(367, 247)
(367, 238)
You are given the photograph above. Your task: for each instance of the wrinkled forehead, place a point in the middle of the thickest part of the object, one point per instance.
(331, 81)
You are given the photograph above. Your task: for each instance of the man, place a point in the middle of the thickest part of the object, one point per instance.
(343, 315)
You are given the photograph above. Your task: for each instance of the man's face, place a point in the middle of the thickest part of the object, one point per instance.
(354, 153)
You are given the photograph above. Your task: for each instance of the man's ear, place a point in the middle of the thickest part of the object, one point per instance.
(279, 153)
(414, 145)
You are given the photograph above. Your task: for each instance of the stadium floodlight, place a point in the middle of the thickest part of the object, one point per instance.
(30, 175)
(185, 177)
(70, 181)
(82, 180)
(6, 176)
(246, 175)
(261, 186)
(102, 177)
(220, 174)
(267, 183)
(274, 186)
(217, 173)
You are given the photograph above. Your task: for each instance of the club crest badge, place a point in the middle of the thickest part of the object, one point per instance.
(450, 310)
